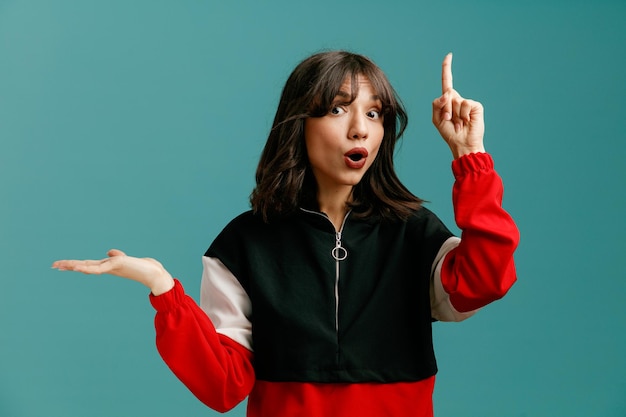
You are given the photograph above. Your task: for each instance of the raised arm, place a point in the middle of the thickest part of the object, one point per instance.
(481, 268)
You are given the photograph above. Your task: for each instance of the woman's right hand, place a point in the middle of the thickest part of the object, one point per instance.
(147, 271)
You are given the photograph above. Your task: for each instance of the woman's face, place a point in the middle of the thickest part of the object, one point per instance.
(343, 144)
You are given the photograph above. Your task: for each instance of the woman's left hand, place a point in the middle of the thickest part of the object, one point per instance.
(460, 121)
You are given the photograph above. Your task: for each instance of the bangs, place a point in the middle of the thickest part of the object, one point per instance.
(327, 85)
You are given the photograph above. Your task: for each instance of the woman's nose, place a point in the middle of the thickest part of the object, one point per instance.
(358, 127)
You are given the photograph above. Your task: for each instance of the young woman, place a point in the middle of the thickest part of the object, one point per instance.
(319, 301)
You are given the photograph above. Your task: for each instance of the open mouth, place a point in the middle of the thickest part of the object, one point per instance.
(356, 154)
(355, 158)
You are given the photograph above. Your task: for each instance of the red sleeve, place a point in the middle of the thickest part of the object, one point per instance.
(481, 269)
(215, 368)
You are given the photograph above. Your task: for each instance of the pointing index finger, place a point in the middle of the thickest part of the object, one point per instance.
(446, 73)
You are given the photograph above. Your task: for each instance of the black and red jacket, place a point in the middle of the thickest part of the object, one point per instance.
(309, 322)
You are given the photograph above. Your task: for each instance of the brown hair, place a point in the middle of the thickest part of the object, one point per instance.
(284, 181)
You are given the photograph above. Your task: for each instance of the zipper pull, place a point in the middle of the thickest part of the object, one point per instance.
(339, 252)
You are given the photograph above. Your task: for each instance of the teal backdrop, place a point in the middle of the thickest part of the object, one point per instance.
(138, 125)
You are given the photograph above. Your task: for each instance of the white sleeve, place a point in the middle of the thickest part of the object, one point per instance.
(225, 301)
(440, 306)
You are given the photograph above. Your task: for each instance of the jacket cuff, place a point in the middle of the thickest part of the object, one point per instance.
(168, 300)
(474, 162)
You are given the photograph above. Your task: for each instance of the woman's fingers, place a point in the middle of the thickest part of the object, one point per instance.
(442, 109)
(93, 267)
(90, 266)
(456, 114)
(86, 266)
(448, 107)
(115, 252)
(465, 110)
(446, 113)
(456, 109)
(64, 265)
(446, 74)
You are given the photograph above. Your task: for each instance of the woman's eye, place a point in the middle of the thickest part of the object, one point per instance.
(337, 110)
(373, 114)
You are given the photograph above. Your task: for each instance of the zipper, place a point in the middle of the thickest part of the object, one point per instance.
(339, 253)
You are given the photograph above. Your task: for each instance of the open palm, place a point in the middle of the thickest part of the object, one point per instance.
(147, 271)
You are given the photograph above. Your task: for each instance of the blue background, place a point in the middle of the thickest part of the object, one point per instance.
(138, 125)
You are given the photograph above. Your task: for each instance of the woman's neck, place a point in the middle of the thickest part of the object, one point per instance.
(335, 205)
